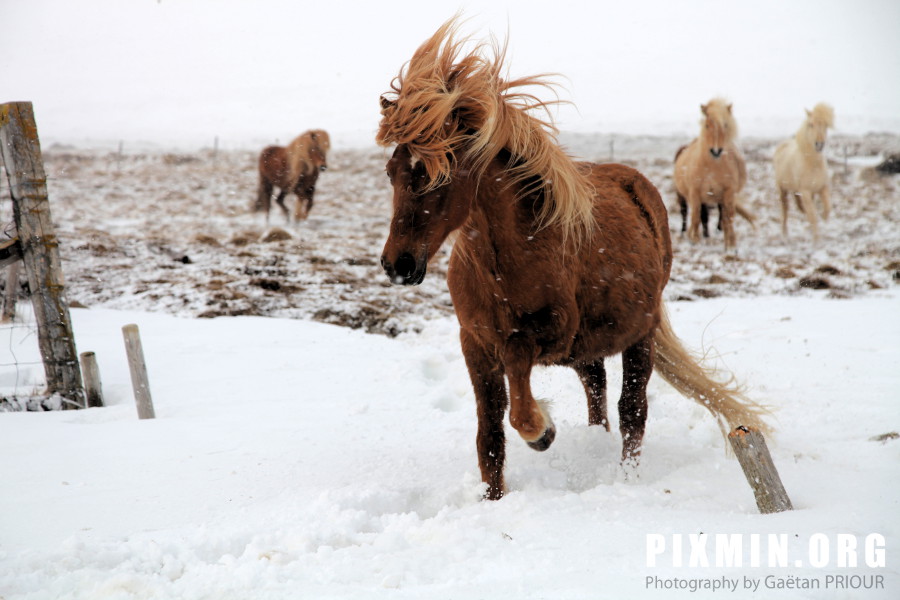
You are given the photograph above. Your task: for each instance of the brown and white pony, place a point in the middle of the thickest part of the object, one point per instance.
(555, 262)
(801, 170)
(711, 171)
(294, 169)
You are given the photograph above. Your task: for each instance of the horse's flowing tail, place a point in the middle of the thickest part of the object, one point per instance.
(745, 212)
(684, 371)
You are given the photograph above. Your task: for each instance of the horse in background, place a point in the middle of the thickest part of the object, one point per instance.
(711, 170)
(704, 209)
(801, 170)
(292, 169)
(556, 262)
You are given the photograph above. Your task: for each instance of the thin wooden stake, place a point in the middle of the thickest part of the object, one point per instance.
(138, 369)
(91, 372)
(750, 447)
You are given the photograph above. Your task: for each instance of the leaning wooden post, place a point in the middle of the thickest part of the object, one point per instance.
(750, 447)
(10, 294)
(138, 369)
(92, 386)
(20, 150)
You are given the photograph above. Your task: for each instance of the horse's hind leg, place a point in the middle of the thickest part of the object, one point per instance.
(682, 202)
(637, 366)
(593, 377)
(704, 218)
(486, 374)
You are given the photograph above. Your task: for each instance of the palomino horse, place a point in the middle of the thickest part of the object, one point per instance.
(294, 169)
(711, 170)
(704, 209)
(555, 262)
(800, 168)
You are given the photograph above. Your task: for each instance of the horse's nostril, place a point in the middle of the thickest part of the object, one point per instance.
(716, 152)
(405, 265)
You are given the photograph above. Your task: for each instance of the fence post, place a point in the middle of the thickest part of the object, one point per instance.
(138, 369)
(10, 294)
(20, 150)
(92, 386)
(750, 447)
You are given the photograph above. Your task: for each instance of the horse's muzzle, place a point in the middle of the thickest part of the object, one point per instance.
(405, 271)
(716, 152)
(323, 168)
(820, 146)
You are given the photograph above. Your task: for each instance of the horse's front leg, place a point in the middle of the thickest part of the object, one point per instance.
(806, 204)
(727, 220)
(694, 214)
(486, 373)
(682, 203)
(637, 366)
(825, 195)
(526, 415)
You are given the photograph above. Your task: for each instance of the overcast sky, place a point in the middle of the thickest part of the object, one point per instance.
(184, 71)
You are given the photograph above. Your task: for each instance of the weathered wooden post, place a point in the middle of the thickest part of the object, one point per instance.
(138, 368)
(11, 292)
(92, 386)
(20, 150)
(750, 447)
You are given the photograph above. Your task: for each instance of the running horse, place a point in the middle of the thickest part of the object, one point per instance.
(555, 262)
(293, 169)
(801, 170)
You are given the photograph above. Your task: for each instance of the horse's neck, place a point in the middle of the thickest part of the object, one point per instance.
(497, 233)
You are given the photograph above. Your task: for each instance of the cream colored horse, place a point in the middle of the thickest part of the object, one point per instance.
(711, 170)
(800, 168)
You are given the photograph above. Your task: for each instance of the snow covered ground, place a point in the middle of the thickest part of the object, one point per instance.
(292, 459)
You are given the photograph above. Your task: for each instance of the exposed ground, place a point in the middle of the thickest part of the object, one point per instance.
(172, 232)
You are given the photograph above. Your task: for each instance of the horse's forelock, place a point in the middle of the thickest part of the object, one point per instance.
(822, 114)
(451, 106)
(718, 110)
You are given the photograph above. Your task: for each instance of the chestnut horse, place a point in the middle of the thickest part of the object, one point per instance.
(801, 170)
(711, 170)
(294, 169)
(555, 262)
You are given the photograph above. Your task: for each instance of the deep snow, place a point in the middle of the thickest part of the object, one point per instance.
(292, 459)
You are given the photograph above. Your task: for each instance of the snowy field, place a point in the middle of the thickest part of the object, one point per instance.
(315, 430)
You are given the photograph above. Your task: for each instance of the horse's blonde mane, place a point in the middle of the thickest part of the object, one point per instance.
(821, 114)
(300, 149)
(719, 110)
(451, 105)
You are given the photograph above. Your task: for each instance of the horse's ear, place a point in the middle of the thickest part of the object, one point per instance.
(385, 104)
(808, 112)
(729, 108)
(703, 108)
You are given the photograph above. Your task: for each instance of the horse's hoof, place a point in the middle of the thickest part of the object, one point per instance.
(543, 442)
